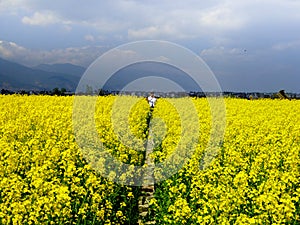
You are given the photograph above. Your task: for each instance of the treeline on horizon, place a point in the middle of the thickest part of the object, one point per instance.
(245, 95)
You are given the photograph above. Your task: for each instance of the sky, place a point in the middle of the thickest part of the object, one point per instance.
(250, 45)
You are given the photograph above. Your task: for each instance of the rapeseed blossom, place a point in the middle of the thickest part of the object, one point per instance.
(45, 178)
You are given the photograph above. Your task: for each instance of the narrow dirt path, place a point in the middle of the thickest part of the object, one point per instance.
(147, 191)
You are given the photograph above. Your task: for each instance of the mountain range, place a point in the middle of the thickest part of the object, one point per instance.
(15, 77)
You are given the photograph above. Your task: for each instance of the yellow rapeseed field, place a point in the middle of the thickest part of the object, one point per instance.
(46, 178)
(254, 179)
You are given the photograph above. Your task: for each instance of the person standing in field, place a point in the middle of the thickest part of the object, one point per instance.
(152, 100)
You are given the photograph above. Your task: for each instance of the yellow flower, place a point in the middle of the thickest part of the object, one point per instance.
(130, 194)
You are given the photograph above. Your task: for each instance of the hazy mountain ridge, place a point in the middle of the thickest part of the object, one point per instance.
(14, 76)
(65, 68)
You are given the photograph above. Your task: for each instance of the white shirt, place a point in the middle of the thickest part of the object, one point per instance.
(151, 101)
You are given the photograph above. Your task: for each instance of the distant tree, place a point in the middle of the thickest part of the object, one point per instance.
(102, 92)
(23, 92)
(63, 91)
(283, 95)
(56, 91)
(44, 92)
(6, 92)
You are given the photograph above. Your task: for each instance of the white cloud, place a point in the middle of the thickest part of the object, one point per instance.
(104, 25)
(12, 6)
(163, 59)
(79, 56)
(222, 53)
(166, 31)
(213, 51)
(41, 18)
(286, 45)
(147, 32)
(122, 55)
(4, 52)
(222, 18)
(89, 37)
(172, 20)
(9, 49)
